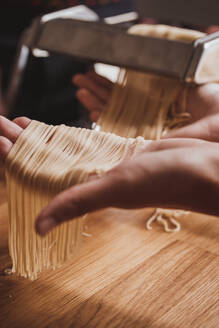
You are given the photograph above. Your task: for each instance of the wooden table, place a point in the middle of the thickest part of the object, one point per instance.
(125, 276)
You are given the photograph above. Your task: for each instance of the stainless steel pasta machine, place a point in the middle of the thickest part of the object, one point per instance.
(96, 41)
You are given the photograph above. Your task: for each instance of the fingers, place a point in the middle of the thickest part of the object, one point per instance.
(174, 143)
(12, 130)
(90, 101)
(90, 83)
(9, 129)
(94, 116)
(191, 131)
(5, 147)
(94, 92)
(205, 129)
(75, 202)
(23, 122)
(101, 80)
(202, 101)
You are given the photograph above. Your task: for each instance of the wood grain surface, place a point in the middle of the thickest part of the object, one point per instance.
(124, 276)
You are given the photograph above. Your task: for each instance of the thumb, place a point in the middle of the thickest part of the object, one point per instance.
(205, 129)
(77, 201)
(198, 130)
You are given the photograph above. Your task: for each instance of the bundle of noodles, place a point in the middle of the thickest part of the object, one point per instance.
(44, 161)
(144, 104)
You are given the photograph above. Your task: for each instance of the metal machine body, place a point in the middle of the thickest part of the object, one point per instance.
(66, 32)
(99, 42)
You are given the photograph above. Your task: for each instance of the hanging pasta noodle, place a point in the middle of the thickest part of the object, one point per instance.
(144, 104)
(44, 161)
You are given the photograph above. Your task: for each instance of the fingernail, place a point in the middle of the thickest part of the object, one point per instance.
(94, 176)
(44, 226)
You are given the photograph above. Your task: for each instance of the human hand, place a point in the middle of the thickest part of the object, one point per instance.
(202, 104)
(94, 92)
(9, 132)
(172, 173)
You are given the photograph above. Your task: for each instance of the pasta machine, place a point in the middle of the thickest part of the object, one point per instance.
(95, 41)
